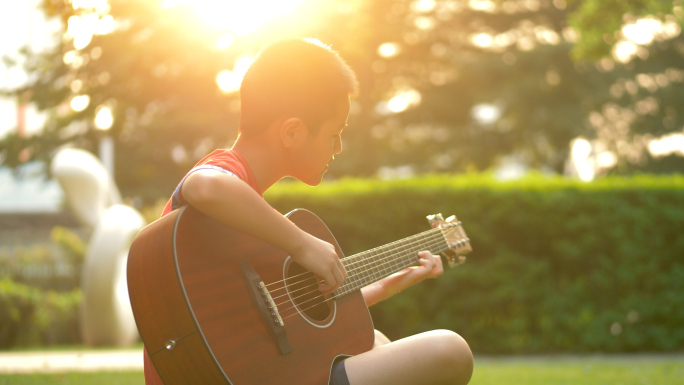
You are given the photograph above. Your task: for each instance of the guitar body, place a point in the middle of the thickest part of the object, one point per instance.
(199, 320)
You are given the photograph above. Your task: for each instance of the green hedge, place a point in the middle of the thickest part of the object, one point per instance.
(31, 316)
(558, 265)
(41, 309)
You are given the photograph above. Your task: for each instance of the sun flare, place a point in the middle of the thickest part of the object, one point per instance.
(238, 16)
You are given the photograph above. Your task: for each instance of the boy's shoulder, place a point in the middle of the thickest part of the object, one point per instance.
(228, 161)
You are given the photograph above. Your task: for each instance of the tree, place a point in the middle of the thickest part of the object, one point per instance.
(424, 66)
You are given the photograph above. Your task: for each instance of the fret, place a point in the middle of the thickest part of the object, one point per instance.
(351, 278)
(375, 264)
(406, 250)
(359, 273)
(365, 273)
(389, 262)
(356, 273)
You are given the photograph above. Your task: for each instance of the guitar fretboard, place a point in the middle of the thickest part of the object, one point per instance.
(375, 264)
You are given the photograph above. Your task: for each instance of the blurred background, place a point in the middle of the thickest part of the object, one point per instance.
(526, 111)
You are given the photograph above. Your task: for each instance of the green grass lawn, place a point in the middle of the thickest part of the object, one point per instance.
(589, 370)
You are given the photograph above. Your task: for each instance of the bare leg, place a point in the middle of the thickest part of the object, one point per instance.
(436, 357)
(380, 339)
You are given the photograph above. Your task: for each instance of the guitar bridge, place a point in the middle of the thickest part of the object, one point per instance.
(271, 305)
(266, 307)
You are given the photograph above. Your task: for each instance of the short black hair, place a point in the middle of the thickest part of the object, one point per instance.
(301, 78)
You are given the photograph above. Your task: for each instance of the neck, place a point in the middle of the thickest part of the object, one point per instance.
(375, 264)
(261, 158)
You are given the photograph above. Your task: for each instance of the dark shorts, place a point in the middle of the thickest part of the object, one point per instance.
(339, 374)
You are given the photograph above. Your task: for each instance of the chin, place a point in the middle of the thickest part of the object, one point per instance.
(313, 180)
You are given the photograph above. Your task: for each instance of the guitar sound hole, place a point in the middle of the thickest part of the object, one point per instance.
(303, 288)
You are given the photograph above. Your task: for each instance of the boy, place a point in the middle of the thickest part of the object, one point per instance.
(294, 106)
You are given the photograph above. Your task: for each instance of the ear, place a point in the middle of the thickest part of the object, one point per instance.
(293, 133)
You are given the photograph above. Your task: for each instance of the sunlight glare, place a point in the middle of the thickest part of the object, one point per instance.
(82, 28)
(667, 145)
(80, 102)
(403, 100)
(624, 51)
(606, 159)
(486, 114)
(239, 16)
(423, 6)
(225, 41)
(104, 119)
(229, 81)
(389, 49)
(482, 5)
(483, 40)
(580, 154)
(97, 5)
(643, 31)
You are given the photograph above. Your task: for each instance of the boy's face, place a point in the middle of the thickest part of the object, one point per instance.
(320, 148)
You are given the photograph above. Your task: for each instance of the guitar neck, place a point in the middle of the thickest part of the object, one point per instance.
(375, 264)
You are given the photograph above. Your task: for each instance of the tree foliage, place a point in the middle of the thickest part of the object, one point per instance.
(157, 72)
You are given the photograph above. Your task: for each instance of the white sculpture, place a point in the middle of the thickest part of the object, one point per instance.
(106, 316)
(88, 188)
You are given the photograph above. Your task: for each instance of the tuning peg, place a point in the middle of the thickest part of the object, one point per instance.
(458, 243)
(435, 219)
(451, 220)
(456, 261)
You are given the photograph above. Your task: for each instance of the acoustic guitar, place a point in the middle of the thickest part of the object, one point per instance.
(216, 306)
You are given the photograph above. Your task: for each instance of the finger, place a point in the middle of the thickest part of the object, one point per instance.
(427, 259)
(343, 270)
(327, 282)
(339, 276)
(333, 282)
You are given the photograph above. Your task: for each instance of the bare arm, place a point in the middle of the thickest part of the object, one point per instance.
(231, 201)
(430, 267)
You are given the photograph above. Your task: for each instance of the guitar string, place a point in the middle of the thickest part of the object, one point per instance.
(349, 259)
(312, 276)
(433, 242)
(355, 271)
(309, 307)
(315, 284)
(314, 291)
(368, 251)
(428, 242)
(290, 292)
(407, 260)
(436, 229)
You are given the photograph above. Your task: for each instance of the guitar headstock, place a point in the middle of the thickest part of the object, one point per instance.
(458, 243)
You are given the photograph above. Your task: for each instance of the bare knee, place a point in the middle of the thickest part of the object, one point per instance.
(454, 356)
(380, 339)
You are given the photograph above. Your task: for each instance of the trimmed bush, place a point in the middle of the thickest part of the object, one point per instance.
(31, 316)
(558, 265)
(39, 294)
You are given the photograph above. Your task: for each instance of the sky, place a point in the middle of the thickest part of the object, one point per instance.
(21, 24)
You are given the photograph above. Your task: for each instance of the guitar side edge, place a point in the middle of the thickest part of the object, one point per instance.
(161, 312)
